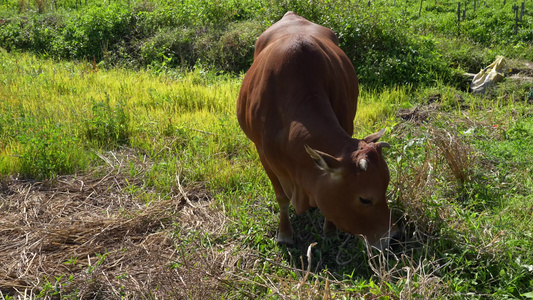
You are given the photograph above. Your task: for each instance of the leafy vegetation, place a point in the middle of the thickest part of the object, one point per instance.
(389, 45)
(137, 100)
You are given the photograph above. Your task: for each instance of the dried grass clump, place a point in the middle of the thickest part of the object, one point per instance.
(460, 156)
(418, 114)
(111, 237)
(446, 164)
(395, 277)
(310, 280)
(414, 186)
(89, 237)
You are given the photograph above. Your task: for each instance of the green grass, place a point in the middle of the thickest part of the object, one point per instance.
(461, 175)
(390, 45)
(85, 108)
(150, 105)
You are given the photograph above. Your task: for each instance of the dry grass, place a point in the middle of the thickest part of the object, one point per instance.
(446, 163)
(109, 236)
(419, 113)
(113, 245)
(460, 156)
(88, 237)
(96, 237)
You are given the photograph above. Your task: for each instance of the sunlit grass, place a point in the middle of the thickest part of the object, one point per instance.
(193, 106)
(182, 126)
(376, 110)
(36, 92)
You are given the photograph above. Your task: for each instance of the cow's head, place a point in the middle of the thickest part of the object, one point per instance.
(352, 190)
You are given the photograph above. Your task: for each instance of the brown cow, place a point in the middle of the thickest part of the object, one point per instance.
(299, 95)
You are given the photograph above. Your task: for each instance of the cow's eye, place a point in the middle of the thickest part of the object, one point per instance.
(365, 201)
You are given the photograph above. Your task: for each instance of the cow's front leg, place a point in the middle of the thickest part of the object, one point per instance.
(285, 234)
(285, 228)
(330, 230)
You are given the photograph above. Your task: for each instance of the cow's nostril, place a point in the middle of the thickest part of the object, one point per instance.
(365, 201)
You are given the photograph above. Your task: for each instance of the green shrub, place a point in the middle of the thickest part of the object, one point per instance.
(193, 13)
(12, 36)
(232, 49)
(174, 44)
(383, 49)
(92, 32)
(85, 34)
(389, 45)
(385, 54)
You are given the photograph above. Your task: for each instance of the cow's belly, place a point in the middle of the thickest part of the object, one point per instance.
(296, 193)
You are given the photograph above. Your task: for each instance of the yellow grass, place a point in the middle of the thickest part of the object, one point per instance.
(39, 93)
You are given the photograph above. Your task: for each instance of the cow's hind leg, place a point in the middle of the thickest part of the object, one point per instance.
(285, 233)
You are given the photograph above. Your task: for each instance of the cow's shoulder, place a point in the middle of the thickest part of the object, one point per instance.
(292, 26)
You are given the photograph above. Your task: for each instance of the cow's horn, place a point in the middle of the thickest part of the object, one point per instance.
(363, 164)
(383, 144)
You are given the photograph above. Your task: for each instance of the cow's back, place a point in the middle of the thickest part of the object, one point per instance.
(297, 67)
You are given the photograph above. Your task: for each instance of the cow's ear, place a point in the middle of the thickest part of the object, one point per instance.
(374, 137)
(323, 160)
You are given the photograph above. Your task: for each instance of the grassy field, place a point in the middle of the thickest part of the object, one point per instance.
(390, 43)
(133, 180)
(161, 157)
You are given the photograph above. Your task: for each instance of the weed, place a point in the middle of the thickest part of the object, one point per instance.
(72, 261)
(100, 260)
(107, 126)
(49, 289)
(46, 151)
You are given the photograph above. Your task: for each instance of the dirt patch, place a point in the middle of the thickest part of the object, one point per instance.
(521, 71)
(420, 113)
(89, 237)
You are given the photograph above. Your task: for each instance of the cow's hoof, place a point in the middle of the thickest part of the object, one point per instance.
(285, 239)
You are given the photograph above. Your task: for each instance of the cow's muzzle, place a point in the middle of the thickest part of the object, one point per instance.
(391, 237)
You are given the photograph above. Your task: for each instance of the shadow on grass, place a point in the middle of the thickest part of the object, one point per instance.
(344, 256)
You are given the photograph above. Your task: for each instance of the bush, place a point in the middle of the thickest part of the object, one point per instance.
(387, 47)
(85, 34)
(170, 44)
(93, 32)
(383, 50)
(13, 36)
(232, 49)
(385, 54)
